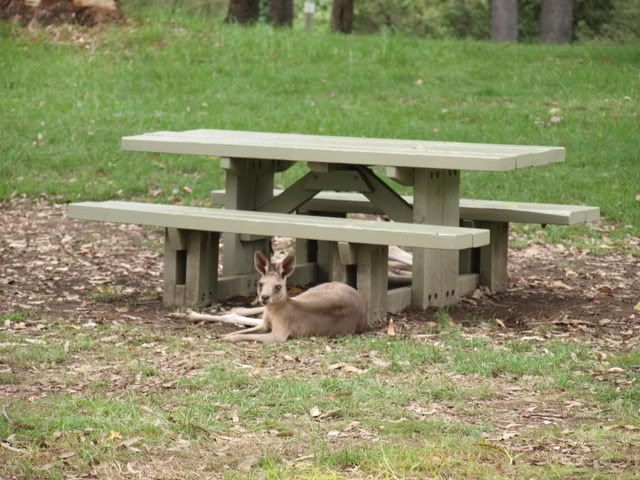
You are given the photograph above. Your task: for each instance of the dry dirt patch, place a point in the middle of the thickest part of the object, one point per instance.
(89, 271)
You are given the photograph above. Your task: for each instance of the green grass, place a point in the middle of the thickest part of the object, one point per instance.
(438, 415)
(67, 107)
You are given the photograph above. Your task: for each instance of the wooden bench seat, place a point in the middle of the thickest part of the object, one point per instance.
(191, 243)
(487, 214)
(470, 209)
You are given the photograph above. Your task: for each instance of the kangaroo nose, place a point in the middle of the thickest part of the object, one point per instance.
(264, 298)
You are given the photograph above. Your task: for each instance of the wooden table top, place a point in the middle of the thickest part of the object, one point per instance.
(345, 150)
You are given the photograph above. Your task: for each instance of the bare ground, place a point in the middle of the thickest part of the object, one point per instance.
(51, 265)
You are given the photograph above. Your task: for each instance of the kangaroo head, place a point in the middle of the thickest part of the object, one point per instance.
(272, 286)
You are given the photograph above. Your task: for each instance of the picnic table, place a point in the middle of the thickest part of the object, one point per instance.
(345, 164)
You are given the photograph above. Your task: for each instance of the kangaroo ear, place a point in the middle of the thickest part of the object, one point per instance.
(261, 262)
(287, 266)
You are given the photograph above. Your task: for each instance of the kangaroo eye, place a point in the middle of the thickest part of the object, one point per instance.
(278, 288)
(260, 284)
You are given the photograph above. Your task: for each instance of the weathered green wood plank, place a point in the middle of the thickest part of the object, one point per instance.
(345, 150)
(470, 209)
(265, 223)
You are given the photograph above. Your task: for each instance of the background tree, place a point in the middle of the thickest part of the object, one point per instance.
(281, 12)
(504, 20)
(342, 16)
(556, 21)
(243, 11)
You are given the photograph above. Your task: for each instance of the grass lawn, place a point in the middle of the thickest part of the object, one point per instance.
(95, 382)
(173, 402)
(66, 104)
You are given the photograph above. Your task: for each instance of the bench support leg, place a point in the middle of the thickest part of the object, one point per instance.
(493, 257)
(322, 252)
(372, 280)
(248, 186)
(435, 272)
(470, 257)
(191, 267)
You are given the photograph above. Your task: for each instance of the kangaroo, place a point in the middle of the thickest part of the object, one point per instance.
(329, 309)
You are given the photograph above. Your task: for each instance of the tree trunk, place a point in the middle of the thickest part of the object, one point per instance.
(504, 20)
(556, 21)
(342, 16)
(281, 12)
(243, 11)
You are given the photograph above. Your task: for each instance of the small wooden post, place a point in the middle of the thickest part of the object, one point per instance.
(372, 280)
(493, 257)
(175, 266)
(469, 257)
(202, 268)
(191, 267)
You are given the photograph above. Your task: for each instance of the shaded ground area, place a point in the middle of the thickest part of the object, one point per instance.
(526, 383)
(53, 265)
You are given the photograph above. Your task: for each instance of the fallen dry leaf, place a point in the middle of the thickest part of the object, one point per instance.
(630, 427)
(605, 289)
(346, 367)
(378, 362)
(615, 370)
(415, 408)
(560, 284)
(131, 442)
(12, 448)
(315, 412)
(351, 369)
(248, 463)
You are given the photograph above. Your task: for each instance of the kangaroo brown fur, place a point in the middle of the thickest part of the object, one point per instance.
(328, 310)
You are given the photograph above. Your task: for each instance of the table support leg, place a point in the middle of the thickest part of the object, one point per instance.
(191, 267)
(435, 272)
(470, 257)
(248, 186)
(372, 280)
(321, 252)
(493, 257)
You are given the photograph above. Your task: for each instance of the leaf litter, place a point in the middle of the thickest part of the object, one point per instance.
(63, 281)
